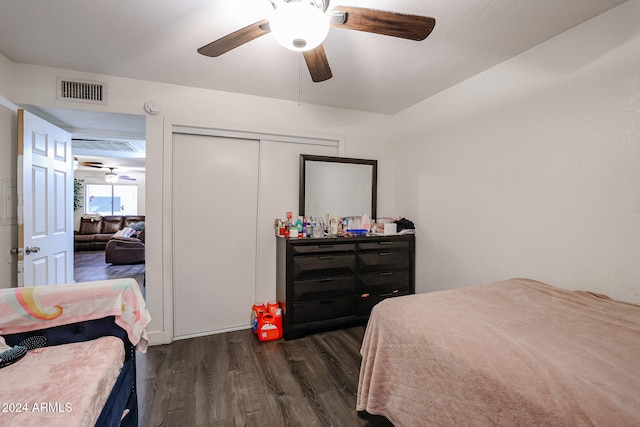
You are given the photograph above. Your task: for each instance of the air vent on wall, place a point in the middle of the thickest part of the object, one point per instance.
(81, 91)
(102, 145)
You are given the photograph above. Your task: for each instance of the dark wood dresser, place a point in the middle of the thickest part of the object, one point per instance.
(331, 282)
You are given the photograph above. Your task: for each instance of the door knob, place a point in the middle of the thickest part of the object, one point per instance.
(31, 249)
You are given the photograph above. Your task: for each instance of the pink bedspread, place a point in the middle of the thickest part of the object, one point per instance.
(28, 309)
(512, 353)
(65, 385)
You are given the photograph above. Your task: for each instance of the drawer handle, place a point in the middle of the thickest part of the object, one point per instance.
(326, 279)
(324, 302)
(386, 273)
(325, 246)
(390, 294)
(384, 253)
(325, 257)
(385, 243)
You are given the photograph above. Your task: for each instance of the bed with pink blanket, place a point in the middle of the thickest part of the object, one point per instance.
(510, 353)
(82, 372)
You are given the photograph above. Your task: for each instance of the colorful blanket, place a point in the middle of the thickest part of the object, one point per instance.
(39, 307)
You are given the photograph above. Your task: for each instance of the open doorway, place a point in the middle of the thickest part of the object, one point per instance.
(109, 151)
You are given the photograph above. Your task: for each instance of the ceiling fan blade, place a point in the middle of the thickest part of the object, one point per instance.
(412, 27)
(318, 64)
(97, 165)
(235, 39)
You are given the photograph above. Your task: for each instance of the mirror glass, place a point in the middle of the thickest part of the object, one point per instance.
(337, 185)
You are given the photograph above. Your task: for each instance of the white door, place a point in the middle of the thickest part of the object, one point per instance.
(215, 196)
(45, 202)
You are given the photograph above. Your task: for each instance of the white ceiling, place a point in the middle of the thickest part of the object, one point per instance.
(157, 41)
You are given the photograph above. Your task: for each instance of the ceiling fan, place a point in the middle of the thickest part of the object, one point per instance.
(112, 177)
(97, 165)
(302, 25)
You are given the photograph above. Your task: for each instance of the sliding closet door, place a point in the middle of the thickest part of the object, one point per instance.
(215, 193)
(279, 174)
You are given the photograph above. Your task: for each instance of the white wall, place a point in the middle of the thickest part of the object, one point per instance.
(532, 169)
(8, 194)
(364, 135)
(8, 171)
(6, 77)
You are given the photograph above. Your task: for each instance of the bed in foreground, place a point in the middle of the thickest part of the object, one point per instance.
(80, 366)
(517, 352)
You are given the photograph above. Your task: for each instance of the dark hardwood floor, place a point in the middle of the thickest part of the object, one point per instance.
(90, 266)
(232, 379)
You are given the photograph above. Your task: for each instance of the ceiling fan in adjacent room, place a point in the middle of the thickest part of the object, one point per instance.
(97, 165)
(112, 177)
(302, 25)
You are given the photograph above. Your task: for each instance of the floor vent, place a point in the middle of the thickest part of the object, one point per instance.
(81, 91)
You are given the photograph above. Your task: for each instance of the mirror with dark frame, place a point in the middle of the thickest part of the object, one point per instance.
(337, 185)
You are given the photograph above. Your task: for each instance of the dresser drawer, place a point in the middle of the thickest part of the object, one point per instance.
(321, 248)
(384, 245)
(325, 287)
(383, 261)
(322, 266)
(324, 309)
(365, 305)
(385, 281)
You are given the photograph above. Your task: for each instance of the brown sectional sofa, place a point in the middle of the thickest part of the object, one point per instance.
(125, 250)
(94, 233)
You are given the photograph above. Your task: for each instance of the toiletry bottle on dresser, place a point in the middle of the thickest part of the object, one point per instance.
(314, 227)
(366, 222)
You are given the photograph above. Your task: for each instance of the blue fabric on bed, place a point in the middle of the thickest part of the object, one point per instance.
(75, 332)
(113, 408)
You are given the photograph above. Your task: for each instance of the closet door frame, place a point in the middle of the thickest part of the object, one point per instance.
(165, 298)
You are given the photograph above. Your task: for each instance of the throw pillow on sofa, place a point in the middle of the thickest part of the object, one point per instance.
(126, 232)
(138, 226)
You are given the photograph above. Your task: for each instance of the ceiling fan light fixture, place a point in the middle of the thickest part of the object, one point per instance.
(299, 26)
(111, 177)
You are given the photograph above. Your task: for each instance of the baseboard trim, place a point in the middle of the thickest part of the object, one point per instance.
(217, 331)
(158, 338)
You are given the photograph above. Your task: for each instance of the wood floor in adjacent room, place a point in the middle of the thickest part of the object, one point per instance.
(90, 266)
(232, 379)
